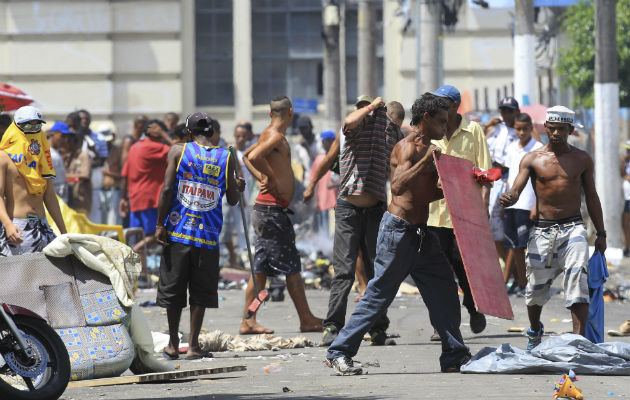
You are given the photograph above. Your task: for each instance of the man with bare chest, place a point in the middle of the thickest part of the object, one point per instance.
(559, 242)
(269, 161)
(406, 247)
(26, 185)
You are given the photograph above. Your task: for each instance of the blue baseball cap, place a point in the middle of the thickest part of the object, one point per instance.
(450, 92)
(325, 135)
(60, 126)
(509, 102)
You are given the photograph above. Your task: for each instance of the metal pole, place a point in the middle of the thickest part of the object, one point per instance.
(607, 178)
(366, 52)
(330, 19)
(524, 52)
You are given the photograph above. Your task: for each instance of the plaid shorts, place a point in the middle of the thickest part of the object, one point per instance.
(553, 250)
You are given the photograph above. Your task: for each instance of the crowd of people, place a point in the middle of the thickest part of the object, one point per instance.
(370, 185)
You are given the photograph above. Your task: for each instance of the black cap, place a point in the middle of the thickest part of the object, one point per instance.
(509, 102)
(199, 121)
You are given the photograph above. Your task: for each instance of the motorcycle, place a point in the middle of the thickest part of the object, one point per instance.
(34, 363)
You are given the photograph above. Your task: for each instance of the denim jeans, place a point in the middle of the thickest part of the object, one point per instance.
(448, 242)
(355, 229)
(404, 249)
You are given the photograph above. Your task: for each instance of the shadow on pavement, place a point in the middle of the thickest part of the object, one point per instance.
(262, 396)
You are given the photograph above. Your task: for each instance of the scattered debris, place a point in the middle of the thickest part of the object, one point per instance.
(219, 341)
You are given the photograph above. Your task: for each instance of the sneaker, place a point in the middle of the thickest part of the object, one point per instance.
(457, 366)
(435, 337)
(344, 366)
(511, 287)
(329, 335)
(534, 338)
(379, 338)
(477, 322)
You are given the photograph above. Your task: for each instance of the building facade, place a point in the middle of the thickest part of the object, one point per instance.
(122, 58)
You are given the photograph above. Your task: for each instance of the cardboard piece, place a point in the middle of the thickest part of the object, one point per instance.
(154, 377)
(474, 238)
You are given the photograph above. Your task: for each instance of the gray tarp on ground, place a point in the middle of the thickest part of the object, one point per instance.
(556, 354)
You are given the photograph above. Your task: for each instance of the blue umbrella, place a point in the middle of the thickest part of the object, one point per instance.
(597, 274)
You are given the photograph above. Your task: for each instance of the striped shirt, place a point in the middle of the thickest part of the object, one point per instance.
(364, 161)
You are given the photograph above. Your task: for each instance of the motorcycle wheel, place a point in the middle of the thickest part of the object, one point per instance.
(53, 381)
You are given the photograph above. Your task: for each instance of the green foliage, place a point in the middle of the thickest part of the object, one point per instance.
(576, 64)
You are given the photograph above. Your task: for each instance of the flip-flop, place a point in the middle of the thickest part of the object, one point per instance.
(204, 354)
(169, 357)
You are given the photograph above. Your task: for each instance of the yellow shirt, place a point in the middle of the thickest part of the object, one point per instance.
(30, 153)
(468, 142)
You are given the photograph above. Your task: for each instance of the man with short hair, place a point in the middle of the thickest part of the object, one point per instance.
(26, 171)
(396, 112)
(499, 135)
(559, 244)
(137, 131)
(170, 120)
(232, 223)
(269, 161)
(111, 192)
(463, 139)
(518, 217)
(198, 175)
(78, 173)
(370, 136)
(142, 178)
(407, 247)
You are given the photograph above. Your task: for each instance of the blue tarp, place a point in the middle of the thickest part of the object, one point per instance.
(597, 274)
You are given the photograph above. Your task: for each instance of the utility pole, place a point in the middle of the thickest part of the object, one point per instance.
(366, 55)
(242, 62)
(332, 101)
(428, 31)
(607, 179)
(524, 52)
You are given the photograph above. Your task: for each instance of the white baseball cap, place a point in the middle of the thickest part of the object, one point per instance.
(26, 114)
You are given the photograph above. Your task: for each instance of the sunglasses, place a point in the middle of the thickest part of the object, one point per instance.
(31, 127)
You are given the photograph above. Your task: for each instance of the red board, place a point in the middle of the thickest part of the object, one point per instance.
(474, 237)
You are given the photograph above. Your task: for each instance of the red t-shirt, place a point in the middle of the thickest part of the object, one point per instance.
(144, 171)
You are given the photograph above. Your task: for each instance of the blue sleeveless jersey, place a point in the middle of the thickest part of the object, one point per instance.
(195, 217)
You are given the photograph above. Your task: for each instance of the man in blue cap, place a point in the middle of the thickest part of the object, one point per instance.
(56, 140)
(464, 139)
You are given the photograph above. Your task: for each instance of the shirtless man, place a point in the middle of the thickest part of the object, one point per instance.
(269, 161)
(24, 225)
(406, 247)
(559, 243)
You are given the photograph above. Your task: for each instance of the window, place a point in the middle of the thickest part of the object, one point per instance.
(213, 52)
(288, 49)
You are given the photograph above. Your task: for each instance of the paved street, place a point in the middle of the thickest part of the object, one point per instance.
(408, 370)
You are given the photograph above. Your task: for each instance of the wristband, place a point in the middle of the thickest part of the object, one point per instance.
(601, 234)
(370, 108)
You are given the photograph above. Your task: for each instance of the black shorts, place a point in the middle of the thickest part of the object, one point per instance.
(516, 227)
(187, 267)
(276, 253)
(626, 206)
